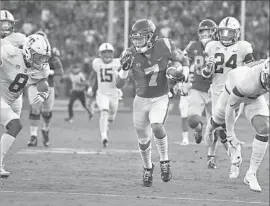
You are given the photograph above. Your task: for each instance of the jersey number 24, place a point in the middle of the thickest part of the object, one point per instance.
(220, 62)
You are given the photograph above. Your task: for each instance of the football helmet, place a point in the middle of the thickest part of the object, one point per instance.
(42, 33)
(106, 52)
(143, 35)
(265, 74)
(229, 31)
(7, 23)
(37, 51)
(207, 31)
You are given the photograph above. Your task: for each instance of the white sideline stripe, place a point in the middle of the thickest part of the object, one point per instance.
(74, 151)
(133, 196)
(249, 144)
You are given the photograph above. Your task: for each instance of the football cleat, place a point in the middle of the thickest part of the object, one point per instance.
(45, 135)
(234, 171)
(251, 180)
(211, 162)
(198, 135)
(69, 120)
(90, 115)
(32, 142)
(236, 161)
(148, 176)
(166, 174)
(105, 143)
(3, 172)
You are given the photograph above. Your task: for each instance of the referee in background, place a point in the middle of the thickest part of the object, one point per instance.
(79, 85)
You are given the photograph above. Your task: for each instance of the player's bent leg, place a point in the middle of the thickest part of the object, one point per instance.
(195, 122)
(13, 128)
(34, 118)
(144, 139)
(183, 107)
(46, 128)
(259, 147)
(157, 115)
(103, 126)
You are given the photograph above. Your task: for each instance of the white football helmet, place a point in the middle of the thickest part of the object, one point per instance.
(106, 52)
(229, 31)
(265, 74)
(7, 23)
(37, 51)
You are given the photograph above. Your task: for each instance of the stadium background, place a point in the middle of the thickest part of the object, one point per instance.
(77, 28)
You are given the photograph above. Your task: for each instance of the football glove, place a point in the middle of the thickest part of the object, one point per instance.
(90, 92)
(126, 60)
(209, 68)
(40, 97)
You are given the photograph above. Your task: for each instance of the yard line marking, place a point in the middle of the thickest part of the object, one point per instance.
(249, 144)
(135, 196)
(74, 151)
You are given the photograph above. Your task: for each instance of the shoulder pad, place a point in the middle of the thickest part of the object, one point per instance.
(210, 45)
(4, 42)
(117, 61)
(16, 39)
(8, 51)
(245, 46)
(95, 62)
(189, 46)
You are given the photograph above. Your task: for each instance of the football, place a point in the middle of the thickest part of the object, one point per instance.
(175, 74)
(42, 86)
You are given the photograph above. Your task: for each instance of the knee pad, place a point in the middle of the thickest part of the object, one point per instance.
(145, 146)
(213, 123)
(194, 121)
(14, 127)
(158, 130)
(144, 136)
(46, 115)
(223, 136)
(34, 113)
(183, 106)
(104, 113)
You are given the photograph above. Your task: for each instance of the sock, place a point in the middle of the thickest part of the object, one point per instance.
(185, 136)
(212, 149)
(46, 123)
(33, 130)
(162, 147)
(5, 143)
(103, 124)
(146, 157)
(258, 150)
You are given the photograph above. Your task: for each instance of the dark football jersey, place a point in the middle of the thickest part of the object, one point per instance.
(196, 55)
(150, 73)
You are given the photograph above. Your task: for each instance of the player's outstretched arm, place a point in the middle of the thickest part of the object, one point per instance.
(233, 103)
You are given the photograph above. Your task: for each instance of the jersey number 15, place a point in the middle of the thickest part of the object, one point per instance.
(106, 75)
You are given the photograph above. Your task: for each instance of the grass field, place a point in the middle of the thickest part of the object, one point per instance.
(76, 170)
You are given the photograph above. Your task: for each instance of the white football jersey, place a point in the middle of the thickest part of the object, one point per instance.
(16, 39)
(106, 75)
(14, 75)
(227, 58)
(247, 80)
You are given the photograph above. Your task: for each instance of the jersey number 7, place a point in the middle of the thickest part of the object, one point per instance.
(220, 58)
(154, 74)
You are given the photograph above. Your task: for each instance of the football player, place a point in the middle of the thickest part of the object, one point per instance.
(18, 69)
(16, 39)
(223, 56)
(79, 85)
(247, 85)
(147, 61)
(105, 70)
(198, 99)
(45, 110)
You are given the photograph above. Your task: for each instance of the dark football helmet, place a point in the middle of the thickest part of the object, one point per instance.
(143, 35)
(207, 31)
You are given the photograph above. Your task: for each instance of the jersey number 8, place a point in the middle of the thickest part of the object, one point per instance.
(18, 83)
(220, 58)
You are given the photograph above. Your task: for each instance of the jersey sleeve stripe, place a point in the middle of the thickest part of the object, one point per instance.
(167, 42)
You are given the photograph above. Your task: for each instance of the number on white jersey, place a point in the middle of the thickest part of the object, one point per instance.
(106, 75)
(18, 83)
(220, 64)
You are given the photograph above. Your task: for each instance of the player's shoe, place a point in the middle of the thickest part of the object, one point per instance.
(105, 143)
(236, 161)
(3, 172)
(32, 142)
(45, 135)
(184, 142)
(198, 135)
(165, 167)
(69, 120)
(90, 115)
(251, 180)
(148, 176)
(211, 162)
